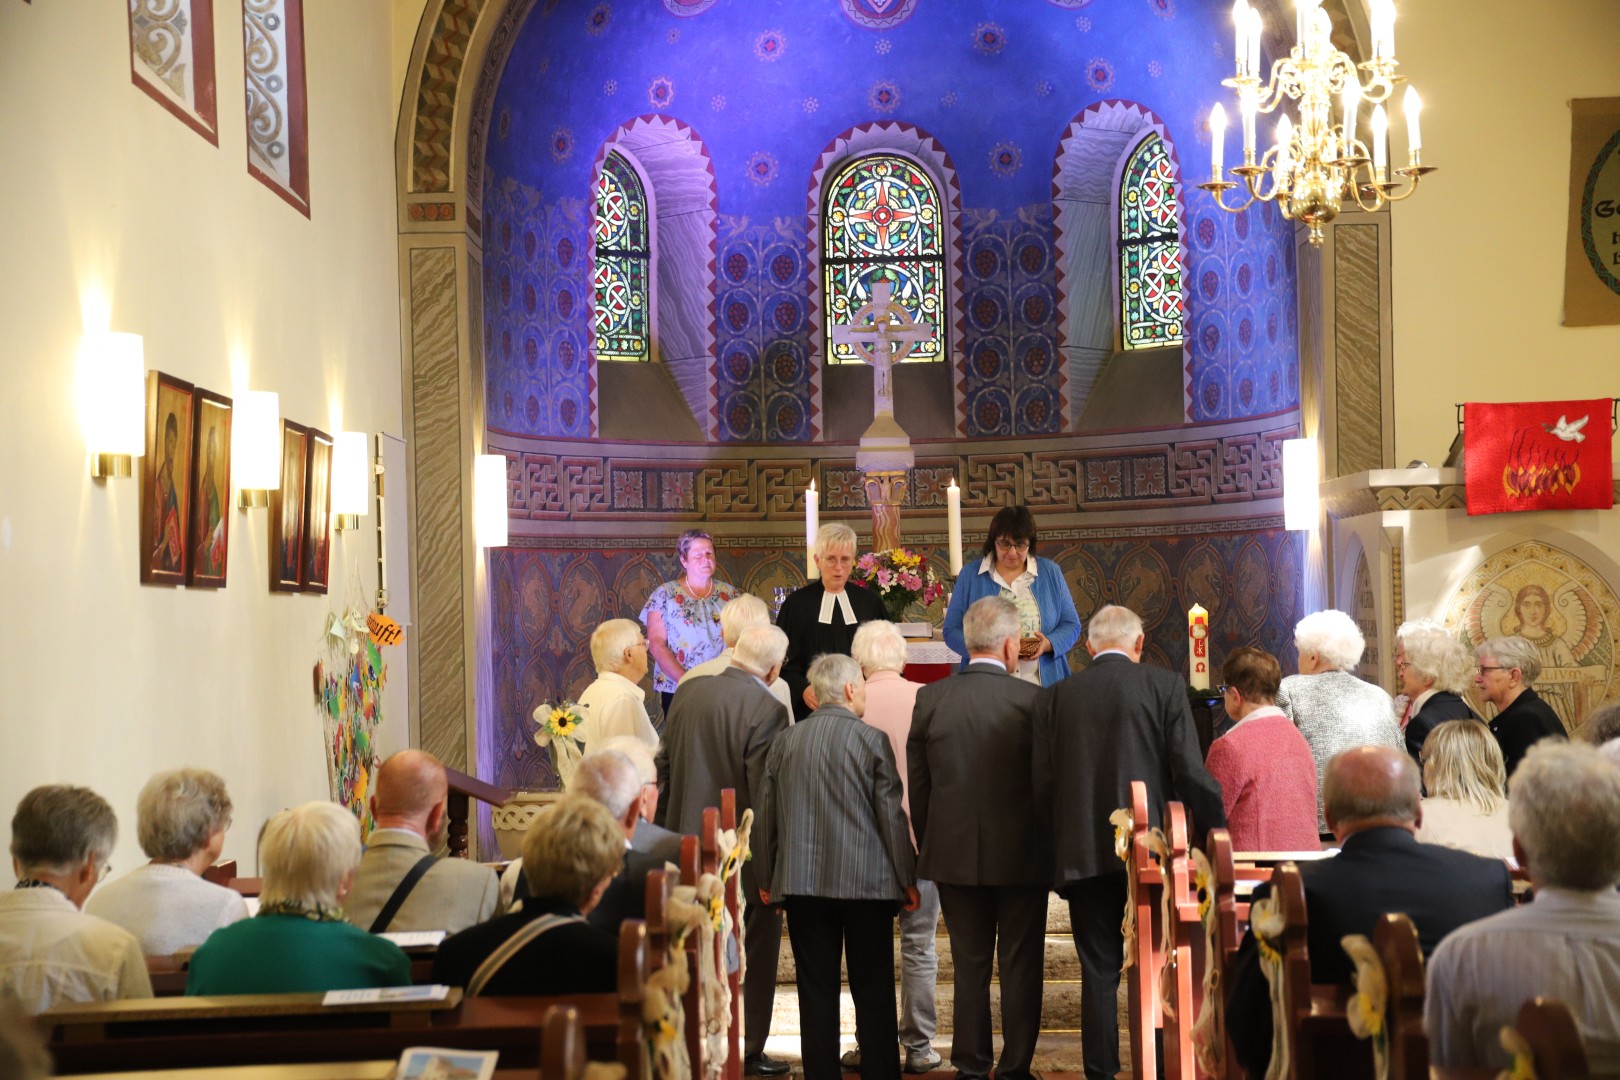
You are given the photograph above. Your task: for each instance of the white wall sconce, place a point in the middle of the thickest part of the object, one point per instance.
(351, 479)
(489, 500)
(1301, 478)
(256, 447)
(112, 401)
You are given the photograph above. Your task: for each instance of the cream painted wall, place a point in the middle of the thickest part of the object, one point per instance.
(1478, 262)
(102, 680)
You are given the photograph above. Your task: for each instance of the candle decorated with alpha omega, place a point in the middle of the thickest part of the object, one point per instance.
(1198, 647)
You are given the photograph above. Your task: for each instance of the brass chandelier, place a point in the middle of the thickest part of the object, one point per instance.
(1316, 166)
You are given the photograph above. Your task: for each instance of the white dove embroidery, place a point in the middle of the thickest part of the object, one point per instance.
(1567, 431)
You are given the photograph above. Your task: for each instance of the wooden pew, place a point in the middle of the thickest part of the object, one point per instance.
(1144, 1015)
(1396, 941)
(1317, 1033)
(1179, 978)
(735, 903)
(1555, 1039)
(278, 1028)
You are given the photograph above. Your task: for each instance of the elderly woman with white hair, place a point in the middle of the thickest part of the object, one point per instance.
(1508, 669)
(822, 617)
(615, 704)
(180, 818)
(298, 942)
(1433, 668)
(739, 614)
(1332, 708)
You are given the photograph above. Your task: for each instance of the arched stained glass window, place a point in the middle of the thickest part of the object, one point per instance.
(883, 223)
(623, 255)
(1151, 303)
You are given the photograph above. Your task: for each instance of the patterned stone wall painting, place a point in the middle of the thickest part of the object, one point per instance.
(277, 104)
(171, 58)
(1364, 609)
(1561, 605)
(546, 602)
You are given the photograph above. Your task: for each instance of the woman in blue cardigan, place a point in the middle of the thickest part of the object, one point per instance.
(1010, 568)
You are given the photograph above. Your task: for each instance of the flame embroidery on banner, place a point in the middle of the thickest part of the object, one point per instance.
(1532, 472)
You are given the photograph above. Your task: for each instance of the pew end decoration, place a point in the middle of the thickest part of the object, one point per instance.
(1124, 827)
(558, 728)
(901, 578)
(1544, 1043)
(1209, 1031)
(1367, 1010)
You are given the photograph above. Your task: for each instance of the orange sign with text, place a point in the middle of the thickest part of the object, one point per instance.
(384, 631)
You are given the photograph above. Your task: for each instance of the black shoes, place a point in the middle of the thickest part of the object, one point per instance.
(761, 1065)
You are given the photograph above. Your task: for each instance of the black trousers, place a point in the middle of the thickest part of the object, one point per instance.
(762, 942)
(1096, 905)
(985, 921)
(862, 931)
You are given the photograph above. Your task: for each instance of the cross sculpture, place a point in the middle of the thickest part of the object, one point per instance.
(885, 453)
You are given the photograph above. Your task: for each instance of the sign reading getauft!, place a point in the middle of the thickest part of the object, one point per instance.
(1539, 455)
(1592, 258)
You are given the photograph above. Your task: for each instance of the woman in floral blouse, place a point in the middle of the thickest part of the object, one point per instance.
(682, 617)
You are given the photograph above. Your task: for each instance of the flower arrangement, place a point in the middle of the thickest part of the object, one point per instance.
(900, 578)
(559, 725)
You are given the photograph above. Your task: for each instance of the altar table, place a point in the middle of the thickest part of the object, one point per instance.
(930, 660)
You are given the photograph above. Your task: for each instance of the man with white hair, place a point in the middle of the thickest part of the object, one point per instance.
(891, 698)
(832, 846)
(615, 704)
(401, 884)
(611, 778)
(821, 617)
(1114, 721)
(1564, 808)
(716, 736)
(983, 830)
(649, 839)
(50, 951)
(739, 614)
(1508, 669)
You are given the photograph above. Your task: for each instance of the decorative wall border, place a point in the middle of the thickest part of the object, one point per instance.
(910, 141)
(149, 26)
(554, 480)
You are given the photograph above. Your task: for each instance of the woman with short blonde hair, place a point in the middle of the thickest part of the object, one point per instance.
(180, 817)
(298, 941)
(1466, 783)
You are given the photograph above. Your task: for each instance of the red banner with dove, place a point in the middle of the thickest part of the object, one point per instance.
(1539, 455)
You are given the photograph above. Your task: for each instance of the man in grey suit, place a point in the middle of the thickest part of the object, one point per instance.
(833, 844)
(716, 735)
(1114, 721)
(410, 803)
(983, 833)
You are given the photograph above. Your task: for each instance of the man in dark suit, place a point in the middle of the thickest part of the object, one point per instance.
(655, 840)
(984, 836)
(610, 778)
(1371, 797)
(1508, 669)
(833, 847)
(1115, 721)
(716, 736)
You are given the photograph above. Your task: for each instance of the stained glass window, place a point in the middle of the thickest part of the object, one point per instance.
(620, 232)
(1151, 304)
(883, 223)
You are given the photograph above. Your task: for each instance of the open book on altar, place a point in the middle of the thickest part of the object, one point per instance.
(916, 630)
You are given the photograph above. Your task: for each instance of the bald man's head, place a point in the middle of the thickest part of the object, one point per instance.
(410, 793)
(1371, 787)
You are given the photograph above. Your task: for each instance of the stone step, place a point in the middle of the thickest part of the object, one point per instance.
(1060, 1017)
(1060, 962)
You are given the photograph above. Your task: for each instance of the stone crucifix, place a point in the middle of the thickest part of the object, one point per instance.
(885, 456)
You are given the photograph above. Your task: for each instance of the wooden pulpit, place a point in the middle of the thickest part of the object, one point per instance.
(463, 788)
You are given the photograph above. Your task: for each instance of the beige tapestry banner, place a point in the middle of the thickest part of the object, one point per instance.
(1592, 261)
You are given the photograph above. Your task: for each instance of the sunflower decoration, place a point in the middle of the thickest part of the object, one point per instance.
(558, 728)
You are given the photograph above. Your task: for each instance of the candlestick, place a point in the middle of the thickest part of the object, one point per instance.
(1217, 141)
(1254, 43)
(953, 511)
(1246, 105)
(1380, 149)
(1198, 647)
(1352, 103)
(1240, 23)
(812, 525)
(1413, 105)
(1285, 149)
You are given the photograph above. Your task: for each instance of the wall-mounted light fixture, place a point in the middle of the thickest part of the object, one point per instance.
(256, 447)
(112, 401)
(351, 479)
(1301, 474)
(489, 500)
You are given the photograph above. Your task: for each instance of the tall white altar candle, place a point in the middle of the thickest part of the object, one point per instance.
(953, 504)
(812, 525)
(1198, 647)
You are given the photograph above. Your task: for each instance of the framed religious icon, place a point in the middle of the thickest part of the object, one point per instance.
(287, 509)
(317, 513)
(166, 479)
(210, 491)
